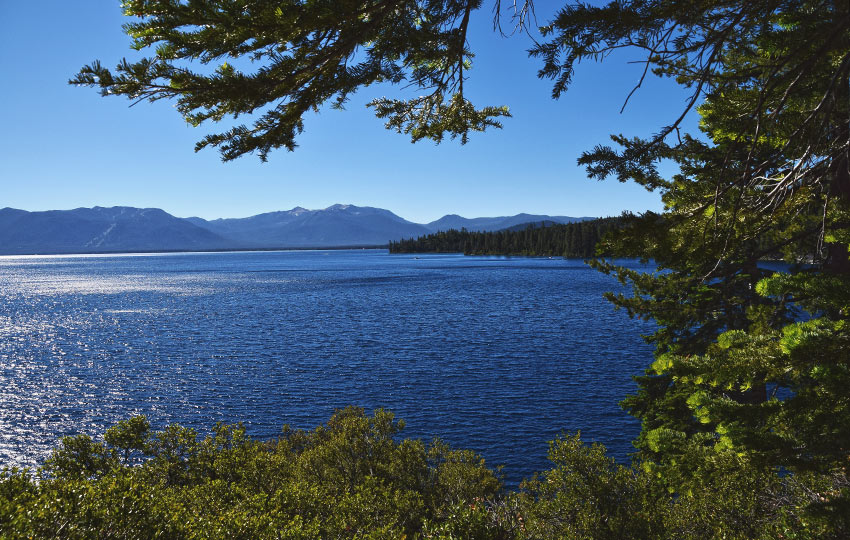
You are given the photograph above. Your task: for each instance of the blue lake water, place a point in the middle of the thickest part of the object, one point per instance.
(495, 354)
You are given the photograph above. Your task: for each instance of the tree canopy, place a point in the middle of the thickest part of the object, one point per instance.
(749, 361)
(297, 57)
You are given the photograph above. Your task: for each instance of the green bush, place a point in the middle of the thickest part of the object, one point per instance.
(355, 478)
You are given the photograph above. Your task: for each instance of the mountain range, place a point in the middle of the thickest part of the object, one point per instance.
(127, 229)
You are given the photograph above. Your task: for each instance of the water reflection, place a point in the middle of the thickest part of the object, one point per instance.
(493, 354)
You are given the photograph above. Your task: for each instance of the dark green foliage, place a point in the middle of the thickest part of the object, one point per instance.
(577, 239)
(279, 60)
(354, 478)
(587, 495)
(733, 498)
(749, 362)
(350, 478)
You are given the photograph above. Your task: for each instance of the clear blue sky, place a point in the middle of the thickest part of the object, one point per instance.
(64, 147)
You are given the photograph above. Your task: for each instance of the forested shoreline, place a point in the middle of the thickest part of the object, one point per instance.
(577, 239)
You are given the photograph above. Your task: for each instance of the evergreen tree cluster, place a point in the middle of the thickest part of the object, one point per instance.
(577, 239)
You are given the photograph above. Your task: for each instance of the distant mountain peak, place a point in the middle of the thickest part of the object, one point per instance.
(454, 221)
(125, 228)
(101, 229)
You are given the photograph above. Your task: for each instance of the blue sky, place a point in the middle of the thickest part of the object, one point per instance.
(64, 147)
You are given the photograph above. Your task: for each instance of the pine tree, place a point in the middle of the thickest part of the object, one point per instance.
(748, 361)
(306, 54)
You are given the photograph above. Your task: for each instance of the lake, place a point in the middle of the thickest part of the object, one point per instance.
(495, 354)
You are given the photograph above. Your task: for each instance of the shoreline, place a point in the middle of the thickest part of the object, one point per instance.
(196, 251)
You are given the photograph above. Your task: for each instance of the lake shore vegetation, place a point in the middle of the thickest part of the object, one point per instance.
(354, 477)
(578, 239)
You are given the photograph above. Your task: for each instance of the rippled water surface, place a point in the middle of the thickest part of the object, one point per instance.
(494, 354)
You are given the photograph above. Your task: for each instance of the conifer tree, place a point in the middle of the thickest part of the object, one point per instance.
(748, 361)
(279, 60)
